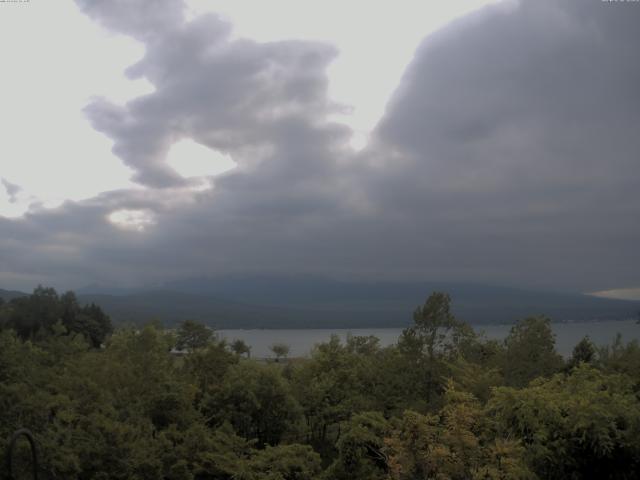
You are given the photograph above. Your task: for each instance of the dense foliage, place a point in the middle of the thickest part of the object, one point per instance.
(443, 403)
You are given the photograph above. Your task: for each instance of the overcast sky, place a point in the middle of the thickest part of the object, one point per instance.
(490, 142)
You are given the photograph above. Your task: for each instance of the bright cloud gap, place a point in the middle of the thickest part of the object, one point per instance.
(191, 159)
(133, 220)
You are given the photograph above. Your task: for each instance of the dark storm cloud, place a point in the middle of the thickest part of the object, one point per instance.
(508, 154)
(517, 129)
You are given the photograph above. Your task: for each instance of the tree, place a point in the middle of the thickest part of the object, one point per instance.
(583, 352)
(4, 314)
(239, 347)
(475, 378)
(530, 352)
(582, 425)
(621, 358)
(452, 445)
(435, 337)
(192, 335)
(281, 350)
(89, 320)
(256, 400)
(34, 314)
(206, 368)
(361, 449)
(364, 345)
(435, 325)
(286, 462)
(330, 387)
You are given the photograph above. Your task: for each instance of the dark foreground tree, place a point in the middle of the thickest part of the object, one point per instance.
(280, 350)
(584, 352)
(36, 316)
(239, 347)
(582, 425)
(435, 338)
(192, 335)
(530, 352)
(452, 444)
(256, 400)
(353, 410)
(361, 449)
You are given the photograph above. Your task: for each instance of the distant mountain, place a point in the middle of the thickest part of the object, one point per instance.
(314, 302)
(100, 289)
(10, 294)
(171, 307)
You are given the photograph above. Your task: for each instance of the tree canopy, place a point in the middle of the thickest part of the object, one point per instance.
(442, 403)
(37, 315)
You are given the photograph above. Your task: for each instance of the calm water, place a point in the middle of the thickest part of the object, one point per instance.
(302, 341)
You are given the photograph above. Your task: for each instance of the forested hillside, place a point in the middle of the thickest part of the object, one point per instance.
(441, 403)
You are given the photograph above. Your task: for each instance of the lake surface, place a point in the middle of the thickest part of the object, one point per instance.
(302, 341)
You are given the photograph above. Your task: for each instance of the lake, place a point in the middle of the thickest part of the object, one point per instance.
(302, 341)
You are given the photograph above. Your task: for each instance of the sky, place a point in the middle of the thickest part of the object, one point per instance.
(477, 141)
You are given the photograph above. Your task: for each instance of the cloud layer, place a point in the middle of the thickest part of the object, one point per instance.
(508, 154)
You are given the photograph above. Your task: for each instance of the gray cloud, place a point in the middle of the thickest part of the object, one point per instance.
(508, 154)
(232, 96)
(144, 21)
(517, 129)
(12, 189)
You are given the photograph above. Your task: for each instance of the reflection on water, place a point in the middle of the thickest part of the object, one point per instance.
(302, 341)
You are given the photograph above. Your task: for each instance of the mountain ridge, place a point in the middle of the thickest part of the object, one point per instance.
(316, 302)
